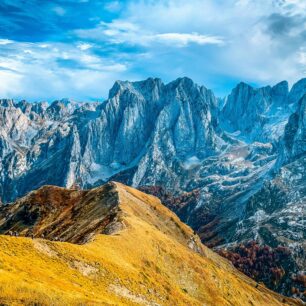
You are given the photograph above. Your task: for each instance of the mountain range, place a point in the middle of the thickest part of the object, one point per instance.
(233, 169)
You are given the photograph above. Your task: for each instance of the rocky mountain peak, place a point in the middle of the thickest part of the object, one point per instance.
(116, 88)
(184, 82)
(279, 98)
(145, 87)
(281, 88)
(257, 114)
(297, 91)
(237, 100)
(182, 86)
(6, 102)
(59, 109)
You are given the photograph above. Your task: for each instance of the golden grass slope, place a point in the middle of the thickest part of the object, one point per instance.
(152, 261)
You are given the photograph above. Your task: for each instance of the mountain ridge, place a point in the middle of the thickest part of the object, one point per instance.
(154, 259)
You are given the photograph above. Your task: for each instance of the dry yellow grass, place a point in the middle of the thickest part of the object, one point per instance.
(147, 263)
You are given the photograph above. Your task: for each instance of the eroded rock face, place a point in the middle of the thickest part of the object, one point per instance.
(60, 214)
(294, 139)
(259, 114)
(297, 91)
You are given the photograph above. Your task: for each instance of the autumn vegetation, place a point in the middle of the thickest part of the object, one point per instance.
(269, 266)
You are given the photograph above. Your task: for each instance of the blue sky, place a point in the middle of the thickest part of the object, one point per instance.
(77, 49)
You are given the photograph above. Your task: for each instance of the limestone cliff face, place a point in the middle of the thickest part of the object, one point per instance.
(297, 91)
(294, 139)
(259, 114)
(142, 124)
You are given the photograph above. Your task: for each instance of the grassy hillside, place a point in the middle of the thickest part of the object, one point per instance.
(153, 260)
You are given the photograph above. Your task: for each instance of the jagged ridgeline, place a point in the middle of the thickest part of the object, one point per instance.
(125, 248)
(234, 167)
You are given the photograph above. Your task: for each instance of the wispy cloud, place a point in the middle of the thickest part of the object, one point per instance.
(184, 39)
(124, 32)
(50, 70)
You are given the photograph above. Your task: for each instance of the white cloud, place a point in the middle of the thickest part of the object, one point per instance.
(183, 39)
(5, 41)
(84, 46)
(120, 32)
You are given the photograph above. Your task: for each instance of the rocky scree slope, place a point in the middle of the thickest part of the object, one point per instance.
(148, 257)
(60, 214)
